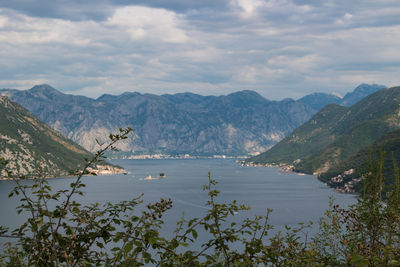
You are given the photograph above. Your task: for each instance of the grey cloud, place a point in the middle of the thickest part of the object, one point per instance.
(72, 9)
(101, 9)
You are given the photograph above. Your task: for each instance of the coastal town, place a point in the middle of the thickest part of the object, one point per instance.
(343, 183)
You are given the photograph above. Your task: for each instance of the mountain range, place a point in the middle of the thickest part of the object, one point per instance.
(236, 124)
(337, 141)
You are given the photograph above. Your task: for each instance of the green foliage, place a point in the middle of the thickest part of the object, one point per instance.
(62, 232)
(368, 233)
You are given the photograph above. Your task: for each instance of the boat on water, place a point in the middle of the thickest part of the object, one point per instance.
(149, 177)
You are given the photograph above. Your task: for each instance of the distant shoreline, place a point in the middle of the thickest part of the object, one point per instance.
(101, 170)
(184, 156)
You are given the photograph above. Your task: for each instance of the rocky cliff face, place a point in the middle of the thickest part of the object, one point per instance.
(240, 123)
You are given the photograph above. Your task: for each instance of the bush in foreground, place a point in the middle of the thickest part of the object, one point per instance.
(62, 232)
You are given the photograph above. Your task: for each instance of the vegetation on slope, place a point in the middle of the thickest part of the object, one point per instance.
(307, 139)
(389, 143)
(32, 147)
(344, 146)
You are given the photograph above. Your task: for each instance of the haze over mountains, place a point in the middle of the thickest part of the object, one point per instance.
(236, 124)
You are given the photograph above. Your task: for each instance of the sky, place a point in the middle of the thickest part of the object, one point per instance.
(279, 48)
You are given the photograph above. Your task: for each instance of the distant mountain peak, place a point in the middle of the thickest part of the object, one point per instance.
(246, 93)
(247, 96)
(365, 86)
(43, 87)
(45, 90)
(360, 92)
(107, 97)
(337, 95)
(130, 94)
(319, 100)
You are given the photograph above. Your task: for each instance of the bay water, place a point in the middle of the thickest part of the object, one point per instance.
(293, 198)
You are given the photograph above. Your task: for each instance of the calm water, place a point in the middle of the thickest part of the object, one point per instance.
(293, 198)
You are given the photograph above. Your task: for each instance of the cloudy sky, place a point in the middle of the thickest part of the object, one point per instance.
(280, 48)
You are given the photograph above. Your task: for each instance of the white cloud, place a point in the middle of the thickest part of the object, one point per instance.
(208, 54)
(248, 7)
(256, 73)
(3, 21)
(253, 8)
(149, 23)
(345, 19)
(22, 83)
(300, 64)
(22, 29)
(140, 23)
(358, 77)
(364, 45)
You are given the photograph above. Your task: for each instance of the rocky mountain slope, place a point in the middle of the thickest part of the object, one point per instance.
(330, 140)
(236, 124)
(32, 147)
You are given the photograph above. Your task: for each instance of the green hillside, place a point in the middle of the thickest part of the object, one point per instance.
(363, 124)
(309, 138)
(344, 146)
(31, 146)
(337, 133)
(355, 166)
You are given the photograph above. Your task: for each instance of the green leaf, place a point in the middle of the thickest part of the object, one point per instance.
(152, 240)
(359, 261)
(128, 247)
(194, 234)
(183, 244)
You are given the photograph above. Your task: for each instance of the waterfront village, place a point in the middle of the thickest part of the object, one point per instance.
(347, 187)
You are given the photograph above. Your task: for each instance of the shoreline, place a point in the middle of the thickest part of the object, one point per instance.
(284, 168)
(347, 188)
(102, 170)
(180, 156)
